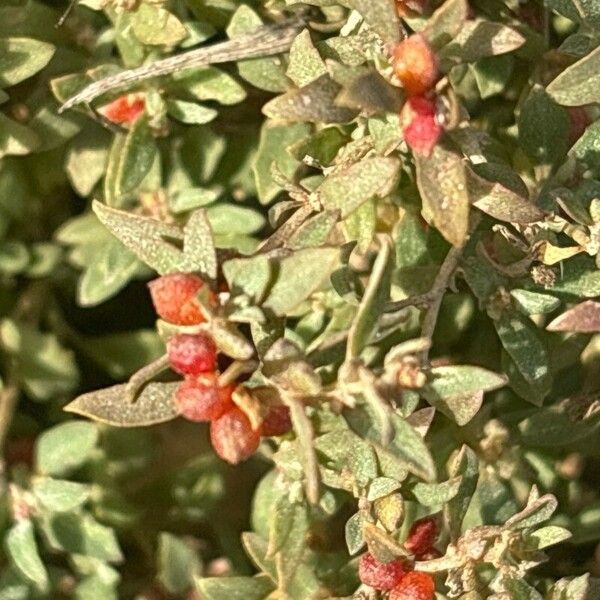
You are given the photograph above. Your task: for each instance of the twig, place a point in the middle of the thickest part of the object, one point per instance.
(421, 300)
(9, 398)
(436, 293)
(140, 378)
(265, 41)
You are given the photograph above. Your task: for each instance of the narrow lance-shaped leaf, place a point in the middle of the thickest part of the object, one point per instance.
(579, 84)
(442, 182)
(374, 300)
(347, 188)
(457, 390)
(154, 405)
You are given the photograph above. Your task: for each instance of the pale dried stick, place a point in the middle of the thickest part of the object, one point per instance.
(265, 41)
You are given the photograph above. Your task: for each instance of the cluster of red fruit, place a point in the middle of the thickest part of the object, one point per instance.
(397, 576)
(200, 397)
(416, 67)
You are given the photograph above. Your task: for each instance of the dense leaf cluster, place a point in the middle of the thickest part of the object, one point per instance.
(430, 320)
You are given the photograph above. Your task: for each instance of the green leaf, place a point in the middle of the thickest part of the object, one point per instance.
(154, 405)
(578, 84)
(466, 466)
(235, 588)
(437, 494)
(178, 563)
(376, 296)
(492, 74)
(314, 231)
(380, 15)
(265, 73)
(229, 218)
(442, 182)
(519, 589)
(537, 512)
(82, 534)
(155, 26)
(23, 552)
(299, 275)
(131, 158)
(22, 57)
(321, 146)
(381, 487)
(534, 303)
(548, 536)
(210, 83)
(272, 149)
(579, 277)
(152, 240)
(446, 22)
(190, 112)
(500, 202)
(458, 390)
(315, 102)
(45, 368)
(479, 38)
(112, 268)
(59, 495)
(66, 447)
(192, 198)
(306, 63)
(543, 128)
(354, 534)
(16, 139)
(349, 187)
(521, 341)
(86, 158)
(250, 276)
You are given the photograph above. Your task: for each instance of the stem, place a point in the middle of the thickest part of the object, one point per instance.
(235, 369)
(436, 293)
(9, 398)
(140, 378)
(421, 300)
(265, 41)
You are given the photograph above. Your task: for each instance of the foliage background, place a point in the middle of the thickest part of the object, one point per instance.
(91, 511)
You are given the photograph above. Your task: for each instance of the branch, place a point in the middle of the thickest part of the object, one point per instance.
(265, 41)
(436, 295)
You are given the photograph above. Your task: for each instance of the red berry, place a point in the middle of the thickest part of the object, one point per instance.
(232, 436)
(277, 421)
(199, 398)
(414, 586)
(124, 109)
(174, 298)
(415, 65)
(192, 354)
(381, 576)
(420, 127)
(422, 536)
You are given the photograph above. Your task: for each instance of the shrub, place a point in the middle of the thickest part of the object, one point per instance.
(350, 245)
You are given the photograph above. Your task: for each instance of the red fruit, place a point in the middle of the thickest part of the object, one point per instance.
(125, 109)
(199, 398)
(420, 127)
(174, 298)
(277, 421)
(381, 576)
(415, 65)
(421, 537)
(414, 586)
(192, 354)
(232, 436)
